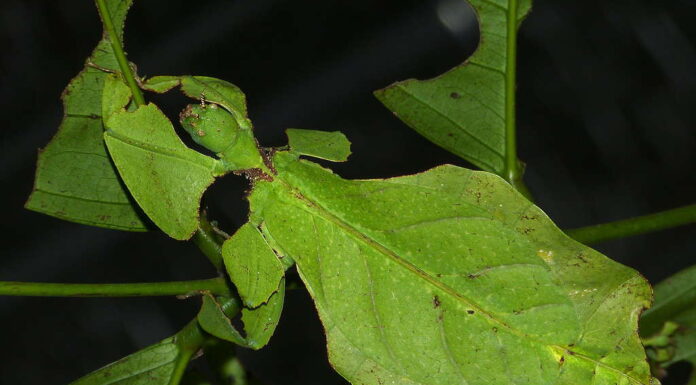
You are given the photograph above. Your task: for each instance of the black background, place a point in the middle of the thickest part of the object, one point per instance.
(606, 126)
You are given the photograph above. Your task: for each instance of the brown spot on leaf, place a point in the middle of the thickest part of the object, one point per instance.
(436, 302)
(455, 95)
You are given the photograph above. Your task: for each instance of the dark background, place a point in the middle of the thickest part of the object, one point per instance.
(607, 91)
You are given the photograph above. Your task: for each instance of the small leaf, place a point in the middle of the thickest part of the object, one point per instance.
(166, 178)
(260, 323)
(161, 84)
(252, 265)
(464, 110)
(213, 319)
(333, 146)
(451, 277)
(153, 365)
(75, 179)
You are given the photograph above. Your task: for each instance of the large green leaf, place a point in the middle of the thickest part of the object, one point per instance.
(465, 110)
(675, 301)
(165, 177)
(451, 277)
(154, 365)
(75, 179)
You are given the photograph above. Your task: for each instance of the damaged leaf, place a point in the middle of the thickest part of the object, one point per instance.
(75, 179)
(165, 177)
(465, 110)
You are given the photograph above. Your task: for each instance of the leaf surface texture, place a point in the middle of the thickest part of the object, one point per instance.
(450, 276)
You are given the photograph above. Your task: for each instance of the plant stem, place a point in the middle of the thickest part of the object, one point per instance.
(207, 241)
(37, 289)
(635, 226)
(189, 340)
(117, 47)
(205, 237)
(512, 172)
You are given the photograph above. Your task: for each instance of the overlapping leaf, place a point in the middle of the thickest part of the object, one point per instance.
(259, 323)
(165, 177)
(464, 110)
(75, 179)
(153, 365)
(449, 276)
(252, 265)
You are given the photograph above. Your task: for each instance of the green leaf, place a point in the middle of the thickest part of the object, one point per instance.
(451, 277)
(464, 110)
(154, 365)
(116, 95)
(675, 301)
(75, 179)
(333, 146)
(165, 177)
(259, 323)
(252, 265)
(213, 318)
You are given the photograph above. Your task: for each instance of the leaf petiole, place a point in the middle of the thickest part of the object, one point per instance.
(634, 226)
(216, 286)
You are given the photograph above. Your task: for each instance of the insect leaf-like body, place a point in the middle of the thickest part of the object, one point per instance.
(444, 277)
(451, 276)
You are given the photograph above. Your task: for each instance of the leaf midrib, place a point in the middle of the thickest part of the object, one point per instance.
(317, 209)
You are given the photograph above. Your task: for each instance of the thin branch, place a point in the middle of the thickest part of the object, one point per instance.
(177, 288)
(635, 226)
(208, 241)
(205, 238)
(513, 170)
(189, 340)
(117, 47)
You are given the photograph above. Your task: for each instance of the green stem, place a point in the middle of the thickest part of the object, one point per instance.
(511, 167)
(113, 37)
(37, 289)
(513, 171)
(189, 340)
(635, 226)
(207, 241)
(205, 238)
